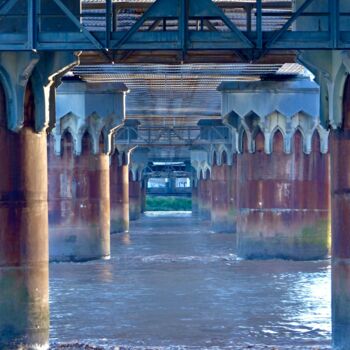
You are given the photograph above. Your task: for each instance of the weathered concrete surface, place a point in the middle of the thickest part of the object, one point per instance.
(340, 153)
(134, 199)
(79, 208)
(283, 201)
(195, 204)
(24, 306)
(204, 198)
(221, 196)
(143, 195)
(232, 185)
(119, 193)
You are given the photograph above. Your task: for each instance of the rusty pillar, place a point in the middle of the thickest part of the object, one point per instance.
(340, 153)
(232, 190)
(143, 195)
(134, 198)
(24, 306)
(195, 197)
(283, 201)
(119, 173)
(220, 218)
(79, 208)
(205, 197)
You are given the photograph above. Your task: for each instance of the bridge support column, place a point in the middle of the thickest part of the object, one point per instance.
(205, 194)
(283, 212)
(24, 98)
(119, 173)
(283, 169)
(143, 195)
(138, 162)
(222, 219)
(331, 70)
(134, 198)
(79, 183)
(340, 153)
(195, 196)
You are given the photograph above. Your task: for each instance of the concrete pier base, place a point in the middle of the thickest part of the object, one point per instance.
(283, 201)
(340, 153)
(79, 208)
(24, 305)
(119, 192)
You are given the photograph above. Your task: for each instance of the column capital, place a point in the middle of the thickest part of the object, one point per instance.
(96, 109)
(266, 107)
(42, 70)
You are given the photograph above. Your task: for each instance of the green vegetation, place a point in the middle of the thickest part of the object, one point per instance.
(158, 203)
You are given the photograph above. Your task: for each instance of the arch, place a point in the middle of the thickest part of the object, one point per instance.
(207, 174)
(67, 142)
(224, 157)
(277, 141)
(3, 107)
(244, 143)
(101, 142)
(346, 105)
(215, 158)
(316, 142)
(86, 143)
(259, 141)
(298, 141)
(11, 97)
(29, 107)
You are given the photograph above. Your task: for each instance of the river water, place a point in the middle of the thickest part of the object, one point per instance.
(172, 284)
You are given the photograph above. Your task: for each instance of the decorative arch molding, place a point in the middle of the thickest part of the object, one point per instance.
(43, 70)
(274, 122)
(77, 126)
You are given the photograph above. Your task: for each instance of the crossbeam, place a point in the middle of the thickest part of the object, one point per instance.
(181, 26)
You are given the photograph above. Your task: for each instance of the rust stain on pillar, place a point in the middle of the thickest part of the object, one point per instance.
(283, 201)
(205, 197)
(220, 218)
(340, 154)
(119, 194)
(79, 202)
(24, 306)
(134, 198)
(195, 197)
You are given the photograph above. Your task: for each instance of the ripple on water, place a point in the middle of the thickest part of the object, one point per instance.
(173, 285)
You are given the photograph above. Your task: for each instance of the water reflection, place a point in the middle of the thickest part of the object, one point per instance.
(170, 282)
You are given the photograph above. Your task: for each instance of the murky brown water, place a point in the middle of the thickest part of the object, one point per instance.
(173, 284)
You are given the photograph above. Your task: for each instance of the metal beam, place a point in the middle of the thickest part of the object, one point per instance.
(7, 6)
(285, 27)
(86, 33)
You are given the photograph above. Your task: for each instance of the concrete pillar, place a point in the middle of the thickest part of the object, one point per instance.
(205, 196)
(340, 153)
(221, 218)
(232, 190)
(143, 195)
(134, 198)
(24, 306)
(119, 173)
(79, 171)
(138, 162)
(282, 168)
(195, 194)
(331, 70)
(282, 211)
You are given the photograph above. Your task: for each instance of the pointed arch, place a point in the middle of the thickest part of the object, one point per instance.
(259, 140)
(277, 141)
(86, 142)
(3, 106)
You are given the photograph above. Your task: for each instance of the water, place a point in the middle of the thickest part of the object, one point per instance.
(173, 284)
